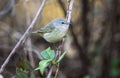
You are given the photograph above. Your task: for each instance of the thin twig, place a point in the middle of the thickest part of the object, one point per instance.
(56, 73)
(69, 11)
(34, 50)
(57, 56)
(30, 54)
(50, 72)
(29, 44)
(23, 37)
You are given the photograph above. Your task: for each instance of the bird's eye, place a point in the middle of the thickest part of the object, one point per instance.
(62, 23)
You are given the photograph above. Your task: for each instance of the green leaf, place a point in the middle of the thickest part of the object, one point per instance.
(87, 76)
(43, 64)
(114, 67)
(21, 74)
(61, 57)
(52, 54)
(23, 64)
(48, 54)
(24, 70)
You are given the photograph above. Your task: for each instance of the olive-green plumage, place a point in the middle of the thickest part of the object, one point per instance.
(54, 31)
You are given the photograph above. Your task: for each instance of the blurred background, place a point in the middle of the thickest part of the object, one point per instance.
(92, 43)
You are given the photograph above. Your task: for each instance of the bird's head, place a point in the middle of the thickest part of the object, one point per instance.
(60, 22)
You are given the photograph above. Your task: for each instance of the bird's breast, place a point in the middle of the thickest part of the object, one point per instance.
(55, 36)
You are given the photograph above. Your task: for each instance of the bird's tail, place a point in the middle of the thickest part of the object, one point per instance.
(38, 32)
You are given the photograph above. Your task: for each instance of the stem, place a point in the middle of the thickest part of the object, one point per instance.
(50, 72)
(69, 12)
(56, 73)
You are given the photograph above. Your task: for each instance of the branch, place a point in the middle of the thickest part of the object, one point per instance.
(56, 73)
(69, 11)
(68, 17)
(23, 37)
(50, 72)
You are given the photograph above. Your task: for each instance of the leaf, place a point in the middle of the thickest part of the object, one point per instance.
(52, 54)
(43, 64)
(48, 54)
(114, 67)
(87, 76)
(21, 74)
(23, 64)
(24, 70)
(61, 57)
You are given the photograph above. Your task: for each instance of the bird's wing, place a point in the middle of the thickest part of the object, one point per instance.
(48, 28)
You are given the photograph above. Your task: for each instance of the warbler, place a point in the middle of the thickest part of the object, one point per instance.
(54, 31)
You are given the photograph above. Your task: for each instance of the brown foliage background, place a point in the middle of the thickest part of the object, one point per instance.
(93, 41)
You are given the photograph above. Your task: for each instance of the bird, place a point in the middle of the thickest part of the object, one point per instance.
(54, 31)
